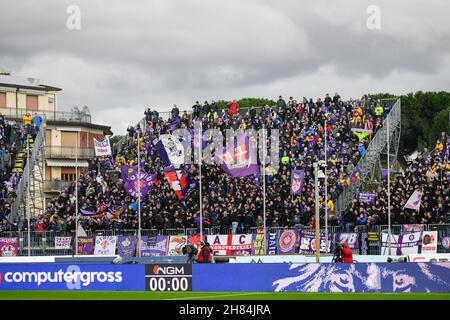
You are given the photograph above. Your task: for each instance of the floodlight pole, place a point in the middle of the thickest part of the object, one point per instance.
(200, 140)
(326, 189)
(388, 186)
(139, 191)
(317, 218)
(76, 192)
(28, 196)
(264, 185)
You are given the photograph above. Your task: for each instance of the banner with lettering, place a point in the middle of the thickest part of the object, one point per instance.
(9, 247)
(429, 241)
(159, 248)
(272, 244)
(352, 239)
(102, 148)
(308, 243)
(401, 245)
(367, 197)
(63, 242)
(231, 244)
(105, 245)
(258, 242)
(85, 245)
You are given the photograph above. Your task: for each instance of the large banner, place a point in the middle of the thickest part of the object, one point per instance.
(352, 239)
(324, 277)
(132, 182)
(105, 245)
(63, 242)
(85, 245)
(272, 244)
(126, 246)
(102, 148)
(176, 244)
(308, 243)
(240, 160)
(287, 239)
(231, 244)
(9, 247)
(73, 277)
(403, 244)
(156, 249)
(429, 241)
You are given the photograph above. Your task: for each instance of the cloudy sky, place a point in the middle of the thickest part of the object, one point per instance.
(128, 55)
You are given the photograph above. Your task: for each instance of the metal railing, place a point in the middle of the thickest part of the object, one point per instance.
(43, 243)
(25, 178)
(68, 152)
(366, 164)
(56, 185)
(67, 116)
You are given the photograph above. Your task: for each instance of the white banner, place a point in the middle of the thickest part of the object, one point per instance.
(102, 148)
(437, 257)
(62, 242)
(401, 244)
(174, 149)
(176, 244)
(231, 244)
(429, 242)
(105, 245)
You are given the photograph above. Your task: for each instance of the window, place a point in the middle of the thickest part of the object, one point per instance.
(2, 99)
(32, 102)
(68, 176)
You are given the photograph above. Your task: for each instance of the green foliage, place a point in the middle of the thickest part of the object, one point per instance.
(247, 103)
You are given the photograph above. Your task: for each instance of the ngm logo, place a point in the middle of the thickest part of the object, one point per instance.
(167, 270)
(73, 277)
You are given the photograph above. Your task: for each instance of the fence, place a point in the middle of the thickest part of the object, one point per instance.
(43, 243)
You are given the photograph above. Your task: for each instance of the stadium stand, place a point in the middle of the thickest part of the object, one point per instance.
(228, 203)
(13, 156)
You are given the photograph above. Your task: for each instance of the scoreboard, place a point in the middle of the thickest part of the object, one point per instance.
(168, 277)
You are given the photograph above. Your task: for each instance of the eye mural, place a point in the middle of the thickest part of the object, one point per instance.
(371, 277)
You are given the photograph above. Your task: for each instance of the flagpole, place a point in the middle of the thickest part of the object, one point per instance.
(76, 193)
(28, 196)
(200, 140)
(388, 186)
(264, 185)
(326, 189)
(139, 192)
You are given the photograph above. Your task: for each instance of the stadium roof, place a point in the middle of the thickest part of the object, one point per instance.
(24, 83)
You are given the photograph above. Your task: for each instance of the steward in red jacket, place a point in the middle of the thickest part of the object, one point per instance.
(205, 254)
(347, 254)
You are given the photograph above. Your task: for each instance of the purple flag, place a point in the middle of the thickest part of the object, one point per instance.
(85, 245)
(132, 183)
(367, 197)
(159, 249)
(297, 181)
(384, 173)
(9, 247)
(243, 162)
(126, 246)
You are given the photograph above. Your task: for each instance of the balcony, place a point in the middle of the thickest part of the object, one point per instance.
(56, 185)
(67, 116)
(68, 152)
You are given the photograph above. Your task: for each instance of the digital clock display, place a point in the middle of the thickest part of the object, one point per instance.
(168, 277)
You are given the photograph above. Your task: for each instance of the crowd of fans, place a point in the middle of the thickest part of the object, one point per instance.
(237, 203)
(429, 174)
(228, 202)
(13, 137)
